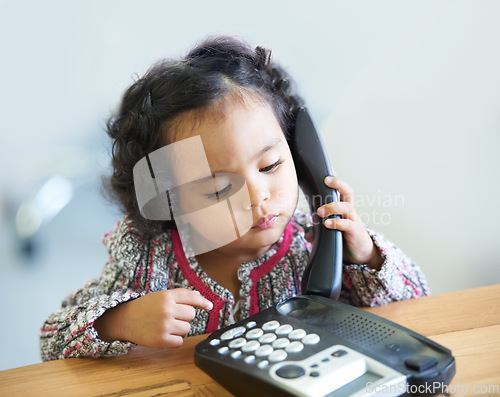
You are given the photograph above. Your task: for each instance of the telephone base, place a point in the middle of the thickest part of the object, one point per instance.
(314, 346)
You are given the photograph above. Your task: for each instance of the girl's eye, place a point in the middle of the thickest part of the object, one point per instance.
(220, 194)
(271, 168)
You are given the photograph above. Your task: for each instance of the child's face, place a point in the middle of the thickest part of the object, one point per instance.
(244, 144)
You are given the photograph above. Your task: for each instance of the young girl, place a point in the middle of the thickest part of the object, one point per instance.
(150, 293)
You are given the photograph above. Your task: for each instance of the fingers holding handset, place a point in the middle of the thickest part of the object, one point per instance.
(342, 187)
(343, 207)
(358, 245)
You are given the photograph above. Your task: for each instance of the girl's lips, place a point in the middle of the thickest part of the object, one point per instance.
(266, 222)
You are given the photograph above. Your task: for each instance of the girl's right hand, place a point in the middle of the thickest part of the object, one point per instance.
(158, 319)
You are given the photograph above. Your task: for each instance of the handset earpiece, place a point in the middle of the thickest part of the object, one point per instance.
(323, 274)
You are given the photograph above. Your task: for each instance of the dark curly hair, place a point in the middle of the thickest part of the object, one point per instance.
(219, 66)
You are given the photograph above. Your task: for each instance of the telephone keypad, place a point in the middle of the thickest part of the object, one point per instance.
(271, 342)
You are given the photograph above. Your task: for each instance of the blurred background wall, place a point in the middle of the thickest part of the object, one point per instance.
(405, 94)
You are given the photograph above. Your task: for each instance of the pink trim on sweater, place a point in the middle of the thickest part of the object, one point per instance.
(262, 270)
(197, 283)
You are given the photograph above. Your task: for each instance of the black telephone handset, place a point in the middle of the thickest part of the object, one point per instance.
(323, 274)
(311, 345)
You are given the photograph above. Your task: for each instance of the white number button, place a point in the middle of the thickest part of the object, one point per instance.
(284, 329)
(249, 359)
(263, 364)
(223, 350)
(237, 343)
(267, 338)
(270, 325)
(233, 333)
(281, 343)
(251, 324)
(264, 351)
(277, 355)
(310, 339)
(251, 346)
(294, 347)
(255, 333)
(297, 334)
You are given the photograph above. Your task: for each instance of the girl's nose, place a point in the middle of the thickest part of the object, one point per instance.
(258, 194)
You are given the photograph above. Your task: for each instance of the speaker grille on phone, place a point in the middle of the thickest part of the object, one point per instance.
(361, 330)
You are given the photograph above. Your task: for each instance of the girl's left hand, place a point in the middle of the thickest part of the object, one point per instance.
(358, 245)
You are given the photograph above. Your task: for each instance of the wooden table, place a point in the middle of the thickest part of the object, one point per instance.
(467, 322)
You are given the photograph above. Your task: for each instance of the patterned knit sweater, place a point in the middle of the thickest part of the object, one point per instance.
(137, 266)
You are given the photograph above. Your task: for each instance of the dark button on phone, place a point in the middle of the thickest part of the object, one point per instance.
(339, 353)
(421, 362)
(290, 372)
(393, 347)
